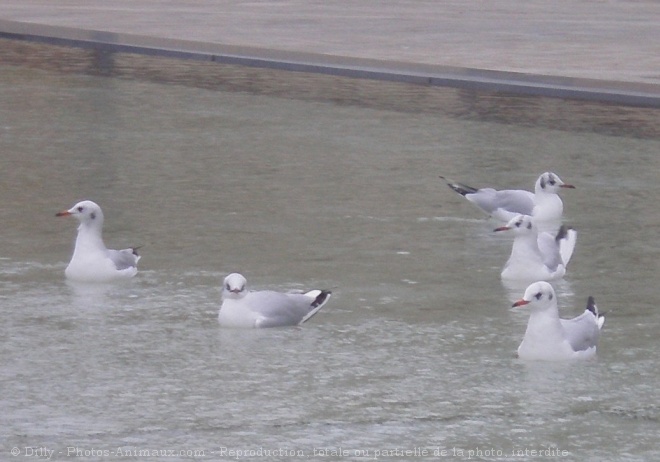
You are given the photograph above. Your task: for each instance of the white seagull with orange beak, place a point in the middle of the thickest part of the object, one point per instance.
(91, 260)
(544, 204)
(266, 308)
(548, 337)
(537, 256)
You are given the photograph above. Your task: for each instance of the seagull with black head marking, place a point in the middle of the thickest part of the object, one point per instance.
(537, 256)
(91, 260)
(548, 337)
(266, 308)
(544, 204)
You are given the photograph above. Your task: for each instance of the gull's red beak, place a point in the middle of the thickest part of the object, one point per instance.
(569, 186)
(64, 213)
(520, 302)
(502, 228)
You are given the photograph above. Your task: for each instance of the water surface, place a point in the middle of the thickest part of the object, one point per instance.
(416, 349)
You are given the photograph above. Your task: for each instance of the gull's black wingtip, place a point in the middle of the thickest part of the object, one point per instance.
(591, 306)
(321, 298)
(460, 188)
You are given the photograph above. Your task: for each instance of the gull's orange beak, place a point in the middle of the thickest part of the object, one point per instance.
(64, 213)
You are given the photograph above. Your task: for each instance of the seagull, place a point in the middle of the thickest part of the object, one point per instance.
(537, 256)
(91, 260)
(548, 337)
(243, 308)
(544, 204)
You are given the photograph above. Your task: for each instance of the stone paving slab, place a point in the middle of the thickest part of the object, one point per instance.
(614, 40)
(628, 93)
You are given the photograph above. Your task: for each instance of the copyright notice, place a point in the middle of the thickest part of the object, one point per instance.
(394, 453)
(43, 452)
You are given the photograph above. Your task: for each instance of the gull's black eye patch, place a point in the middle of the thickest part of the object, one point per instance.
(550, 297)
(552, 180)
(93, 215)
(518, 223)
(538, 296)
(81, 208)
(529, 226)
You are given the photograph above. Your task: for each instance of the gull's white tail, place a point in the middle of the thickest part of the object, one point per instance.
(320, 297)
(591, 306)
(566, 238)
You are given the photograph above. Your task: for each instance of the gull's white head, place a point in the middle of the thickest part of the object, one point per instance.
(550, 183)
(87, 213)
(234, 286)
(520, 224)
(539, 296)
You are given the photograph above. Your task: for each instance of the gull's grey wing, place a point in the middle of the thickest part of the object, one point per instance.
(582, 332)
(280, 309)
(514, 201)
(124, 259)
(549, 250)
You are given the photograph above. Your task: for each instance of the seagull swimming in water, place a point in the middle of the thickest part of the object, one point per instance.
(548, 337)
(91, 260)
(544, 204)
(243, 308)
(537, 256)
